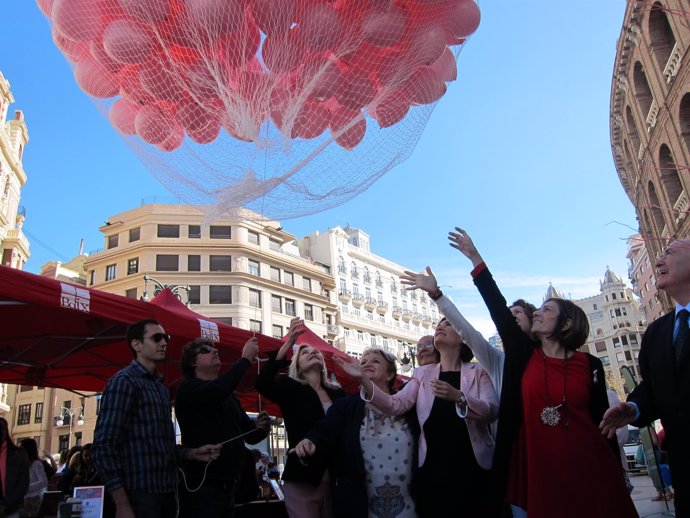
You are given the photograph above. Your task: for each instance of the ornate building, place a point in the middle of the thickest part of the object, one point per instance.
(650, 118)
(641, 275)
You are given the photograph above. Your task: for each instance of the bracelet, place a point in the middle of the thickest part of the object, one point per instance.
(436, 294)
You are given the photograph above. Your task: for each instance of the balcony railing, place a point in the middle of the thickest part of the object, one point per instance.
(379, 283)
(681, 207)
(652, 115)
(397, 311)
(357, 299)
(367, 278)
(673, 64)
(665, 233)
(342, 268)
(344, 295)
(370, 303)
(332, 329)
(381, 307)
(407, 315)
(417, 318)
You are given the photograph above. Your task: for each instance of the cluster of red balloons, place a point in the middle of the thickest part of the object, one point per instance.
(195, 66)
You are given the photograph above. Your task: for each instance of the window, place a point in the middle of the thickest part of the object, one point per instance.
(276, 304)
(633, 339)
(255, 326)
(195, 294)
(194, 231)
(277, 331)
(289, 278)
(355, 288)
(290, 307)
(167, 263)
(77, 438)
(220, 263)
(275, 274)
(618, 312)
(360, 336)
(624, 340)
(134, 234)
(306, 284)
(613, 296)
(594, 307)
(220, 294)
(224, 320)
(600, 347)
(132, 266)
(63, 442)
(131, 293)
(92, 277)
(274, 245)
(168, 231)
(193, 263)
(113, 241)
(309, 312)
(220, 232)
(254, 267)
(254, 298)
(253, 237)
(628, 356)
(98, 403)
(38, 413)
(110, 272)
(24, 414)
(616, 341)
(605, 361)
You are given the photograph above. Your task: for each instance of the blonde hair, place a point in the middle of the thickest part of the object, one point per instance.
(297, 375)
(390, 359)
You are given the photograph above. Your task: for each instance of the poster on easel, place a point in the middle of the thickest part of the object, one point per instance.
(91, 500)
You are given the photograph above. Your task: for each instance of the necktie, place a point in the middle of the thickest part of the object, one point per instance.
(681, 341)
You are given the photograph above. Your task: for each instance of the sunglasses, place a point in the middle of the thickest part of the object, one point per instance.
(206, 349)
(159, 337)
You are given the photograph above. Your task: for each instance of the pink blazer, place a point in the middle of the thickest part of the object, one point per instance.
(482, 406)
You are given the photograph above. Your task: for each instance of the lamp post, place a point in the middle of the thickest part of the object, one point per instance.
(71, 412)
(159, 286)
(408, 362)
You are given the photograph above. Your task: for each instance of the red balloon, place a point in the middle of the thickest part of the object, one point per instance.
(201, 123)
(131, 88)
(122, 114)
(321, 79)
(127, 42)
(426, 45)
(46, 6)
(163, 83)
(95, 80)
(211, 18)
(173, 141)
(273, 16)
(74, 51)
(206, 80)
(155, 124)
(151, 11)
(235, 49)
(79, 20)
(385, 28)
(391, 109)
(347, 127)
(356, 91)
(424, 86)
(282, 52)
(445, 66)
(280, 100)
(319, 27)
(99, 54)
(460, 19)
(311, 121)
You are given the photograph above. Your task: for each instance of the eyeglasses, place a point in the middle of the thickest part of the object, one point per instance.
(205, 349)
(159, 337)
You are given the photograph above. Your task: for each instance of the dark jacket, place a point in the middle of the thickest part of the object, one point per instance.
(518, 349)
(301, 408)
(664, 393)
(209, 413)
(337, 440)
(16, 478)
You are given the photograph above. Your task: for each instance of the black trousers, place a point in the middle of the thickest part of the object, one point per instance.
(210, 501)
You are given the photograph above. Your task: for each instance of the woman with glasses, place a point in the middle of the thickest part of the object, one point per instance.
(372, 455)
(303, 395)
(456, 403)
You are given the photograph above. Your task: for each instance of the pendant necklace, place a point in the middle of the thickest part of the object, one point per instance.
(551, 414)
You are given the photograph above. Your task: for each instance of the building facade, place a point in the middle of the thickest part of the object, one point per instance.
(641, 274)
(374, 308)
(650, 119)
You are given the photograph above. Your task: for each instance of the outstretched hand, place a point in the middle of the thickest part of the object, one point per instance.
(424, 281)
(263, 421)
(296, 329)
(349, 366)
(460, 240)
(304, 448)
(616, 417)
(251, 349)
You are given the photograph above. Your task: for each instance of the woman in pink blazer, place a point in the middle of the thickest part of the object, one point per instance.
(456, 403)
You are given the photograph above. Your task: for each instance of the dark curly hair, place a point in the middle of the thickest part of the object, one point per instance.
(189, 354)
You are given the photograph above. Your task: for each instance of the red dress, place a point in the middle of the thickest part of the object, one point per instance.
(564, 471)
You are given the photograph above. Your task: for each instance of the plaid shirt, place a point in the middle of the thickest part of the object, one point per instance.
(134, 441)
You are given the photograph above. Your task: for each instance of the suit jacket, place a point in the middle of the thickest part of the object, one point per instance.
(664, 393)
(301, 408)
(482, 406)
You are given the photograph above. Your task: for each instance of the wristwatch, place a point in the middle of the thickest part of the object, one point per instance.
(462, 400)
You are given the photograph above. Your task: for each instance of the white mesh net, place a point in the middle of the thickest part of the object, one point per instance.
(287, 107)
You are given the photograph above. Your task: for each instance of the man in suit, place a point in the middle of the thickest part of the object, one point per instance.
(664, 392)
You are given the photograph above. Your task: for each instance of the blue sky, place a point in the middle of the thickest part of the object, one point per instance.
(517, 152)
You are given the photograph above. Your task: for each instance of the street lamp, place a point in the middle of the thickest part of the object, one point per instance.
(175, 288)
(408, 362)
(71, 412)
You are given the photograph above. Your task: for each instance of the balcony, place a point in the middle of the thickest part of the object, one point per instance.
(394, 288)
(367, 278)
(673, 64)
(355, 273)
(357, 300)
(665, 233)
(397, 311)
(342, 268)
(344, 296)
(403, 291)
(417, 318)
(652, 115)
(426, 321)
(681, 207)
(413, 295)
(379, 283)
(370, 303)
(332, 329)
(381, 307)
(407, 315)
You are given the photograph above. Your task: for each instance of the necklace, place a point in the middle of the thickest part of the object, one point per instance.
(551, 414)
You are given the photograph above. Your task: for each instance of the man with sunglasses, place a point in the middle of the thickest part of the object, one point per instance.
(134, 442)
(208, 412)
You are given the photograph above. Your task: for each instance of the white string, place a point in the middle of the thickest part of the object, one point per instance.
(203, 478)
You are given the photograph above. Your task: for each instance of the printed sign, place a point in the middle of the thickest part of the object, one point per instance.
(75, 298)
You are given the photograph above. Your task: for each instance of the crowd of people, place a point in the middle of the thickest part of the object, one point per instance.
(523, 431)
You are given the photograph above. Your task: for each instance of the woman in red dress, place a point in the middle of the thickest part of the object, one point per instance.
(561, 464)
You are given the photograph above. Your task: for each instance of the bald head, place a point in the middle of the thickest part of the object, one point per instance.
(673, 271)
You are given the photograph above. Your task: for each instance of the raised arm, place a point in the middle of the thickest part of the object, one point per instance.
(265, 382)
